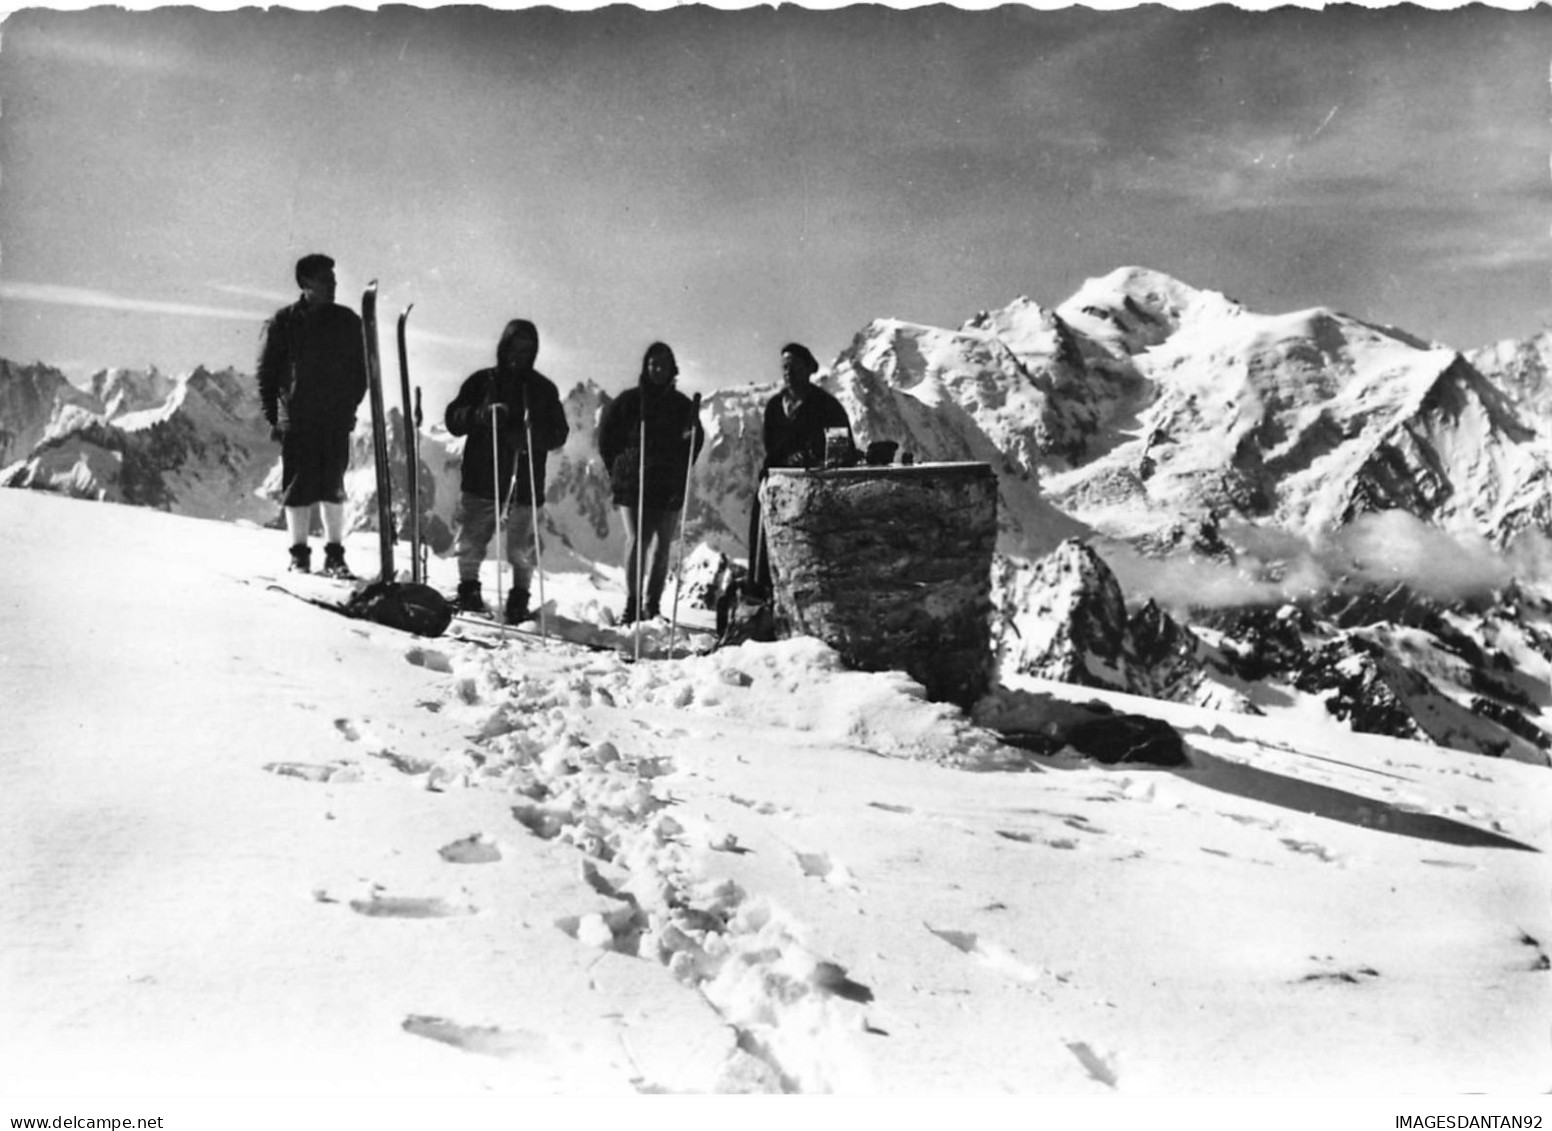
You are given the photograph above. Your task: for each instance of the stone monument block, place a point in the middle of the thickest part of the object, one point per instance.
(890, 566)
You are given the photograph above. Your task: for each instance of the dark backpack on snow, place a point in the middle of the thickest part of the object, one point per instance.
(403, 605)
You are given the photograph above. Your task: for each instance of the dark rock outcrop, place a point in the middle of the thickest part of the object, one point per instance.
(1128, 738)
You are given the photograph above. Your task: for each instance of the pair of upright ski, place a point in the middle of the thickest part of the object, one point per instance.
(413, 606)
(412, 420)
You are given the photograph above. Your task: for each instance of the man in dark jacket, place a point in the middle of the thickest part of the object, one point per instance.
(794, 433)
(650, 428)
(512, 417)
(312, 377)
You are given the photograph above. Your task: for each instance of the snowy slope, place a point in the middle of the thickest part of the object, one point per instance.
(250, 848)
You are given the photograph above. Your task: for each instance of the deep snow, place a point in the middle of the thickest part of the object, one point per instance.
(253, 849)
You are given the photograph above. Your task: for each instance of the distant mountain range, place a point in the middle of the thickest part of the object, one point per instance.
(1296, 499)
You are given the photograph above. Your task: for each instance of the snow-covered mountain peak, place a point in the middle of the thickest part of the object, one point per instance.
(1521, 367)
(1025, 327)
(124, 391)
(1133, 309)
(913, 357)
(1295, 361)
(1307, 420)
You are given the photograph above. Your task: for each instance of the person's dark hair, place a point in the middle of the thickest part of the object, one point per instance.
(521, 328)
(309, 265)
(659, 349)
(518, 328)
(801, 353)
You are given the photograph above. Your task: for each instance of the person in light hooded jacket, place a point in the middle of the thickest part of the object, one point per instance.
(512, 417)
(656, 411)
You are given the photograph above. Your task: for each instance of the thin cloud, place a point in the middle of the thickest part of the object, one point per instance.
(1515, 253)
(456, 341)
(55, 295)
(266, 295)
(65, 43)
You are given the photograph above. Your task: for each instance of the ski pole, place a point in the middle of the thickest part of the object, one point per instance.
(495, 472)
(411, 452)
(757, 552)
(689, 469)
(533, 496)
(641, 514)
(374, 377)
(420, 543)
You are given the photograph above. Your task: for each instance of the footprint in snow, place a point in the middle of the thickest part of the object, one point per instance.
(832, 978)
(618, 929)
(403, 763)
(483, 1040)
(1310, 848)
(764, 808)
(348, 729)
(1101, 1068)
(546, 824)
(409, 907)
(989, 954)
(891, 808)
(1541, 961)
(1247, 819)
(603, 885)
(821, 866)
(470, 850)
(336, 772)
(1349, 977)
(1063, 842)
(430, 659)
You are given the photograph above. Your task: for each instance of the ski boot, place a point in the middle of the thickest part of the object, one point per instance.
(301, 559)
(517, 607)
(651, 611)
(468, 599)
(334, 563)
(629, 615)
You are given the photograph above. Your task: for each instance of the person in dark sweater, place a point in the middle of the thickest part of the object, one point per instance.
(312, 378)
(794, 436)
(501, 411)
(652, 429)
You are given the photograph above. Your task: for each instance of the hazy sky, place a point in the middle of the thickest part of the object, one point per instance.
(729, 180)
